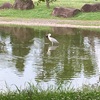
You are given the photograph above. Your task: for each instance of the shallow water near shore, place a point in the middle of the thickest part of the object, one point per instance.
(27, 56)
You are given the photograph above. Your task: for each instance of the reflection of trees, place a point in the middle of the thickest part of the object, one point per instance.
(71, 57)
(20, 64)
(78, 56)
(20, 40)
(74, 53)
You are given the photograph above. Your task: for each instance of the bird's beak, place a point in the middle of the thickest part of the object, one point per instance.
(47, 36)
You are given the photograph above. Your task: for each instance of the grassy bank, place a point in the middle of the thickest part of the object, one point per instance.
(26, 95)
(41, 11)
(34, 93)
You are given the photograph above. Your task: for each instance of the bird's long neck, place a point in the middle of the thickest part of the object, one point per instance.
(49, 37)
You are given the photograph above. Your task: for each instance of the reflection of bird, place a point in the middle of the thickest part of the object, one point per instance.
(53, 40)
(50, 49)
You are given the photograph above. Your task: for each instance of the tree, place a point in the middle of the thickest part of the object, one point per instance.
(47, 2)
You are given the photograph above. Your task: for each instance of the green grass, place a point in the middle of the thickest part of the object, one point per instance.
(41, 11)
(88, 16)
(2, 1)
(36, 93)
(27, 95)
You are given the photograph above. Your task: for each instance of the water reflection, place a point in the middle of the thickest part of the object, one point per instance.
(50, 49)
(25, 57)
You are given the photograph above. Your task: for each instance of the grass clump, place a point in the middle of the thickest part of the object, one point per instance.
(50, 95)
(37, 93)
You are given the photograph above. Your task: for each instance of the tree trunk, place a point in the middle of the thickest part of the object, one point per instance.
(23, 4)
(47, 4)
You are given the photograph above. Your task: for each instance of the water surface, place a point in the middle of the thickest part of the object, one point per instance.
(26, 55)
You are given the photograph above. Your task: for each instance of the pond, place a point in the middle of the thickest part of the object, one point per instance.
(27, 56)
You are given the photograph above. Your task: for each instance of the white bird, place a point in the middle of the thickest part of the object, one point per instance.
(53, 40)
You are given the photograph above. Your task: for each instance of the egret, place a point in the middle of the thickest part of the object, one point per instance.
(53, 40)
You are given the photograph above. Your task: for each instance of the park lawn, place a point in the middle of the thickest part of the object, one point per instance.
(41, 11)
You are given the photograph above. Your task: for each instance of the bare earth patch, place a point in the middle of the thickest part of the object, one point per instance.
(50, 22)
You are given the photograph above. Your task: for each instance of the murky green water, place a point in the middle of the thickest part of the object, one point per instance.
(26, 55)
